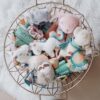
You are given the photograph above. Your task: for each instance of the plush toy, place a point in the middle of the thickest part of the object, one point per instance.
(35, 33)
(56, 32)
(48, 46)
(44, 26)
(45, 73)
(59, 35)
(22, 36)
(21, 54)
(53, 28)
(75, 63)
(67, 23)
(35, 61)
(72, 51)
(37, 16)
(83, 38)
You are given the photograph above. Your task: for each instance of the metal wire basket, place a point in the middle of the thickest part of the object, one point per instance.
(56, 87)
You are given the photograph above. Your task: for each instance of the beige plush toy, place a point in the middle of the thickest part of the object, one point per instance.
(45, 73)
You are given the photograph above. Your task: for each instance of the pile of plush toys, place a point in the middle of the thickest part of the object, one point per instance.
(50, 49)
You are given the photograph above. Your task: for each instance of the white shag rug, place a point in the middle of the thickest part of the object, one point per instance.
(9, 9)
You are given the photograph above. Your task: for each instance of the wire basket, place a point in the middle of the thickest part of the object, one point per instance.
(56, 87)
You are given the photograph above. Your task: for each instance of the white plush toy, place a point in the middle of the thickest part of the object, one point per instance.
(35, 61)
(72, 51)
(21, 54)
(82, 38)
(48, 46)
(45, 73)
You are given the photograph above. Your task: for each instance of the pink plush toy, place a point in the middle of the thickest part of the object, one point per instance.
(68, 22)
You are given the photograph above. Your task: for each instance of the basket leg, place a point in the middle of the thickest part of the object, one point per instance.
(66, 95)
(39, 96)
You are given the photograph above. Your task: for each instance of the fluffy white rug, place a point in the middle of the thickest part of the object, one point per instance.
(9, 9)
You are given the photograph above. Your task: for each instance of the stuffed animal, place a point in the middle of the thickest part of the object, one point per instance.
(48, 46)
(35, 33)
(22, 36)
(21, 54)
(37, 16)
(67, 23)
(53, 28)
(45, 73)
(83, 38)
(35, 61)
(56, 32)
(72, 51)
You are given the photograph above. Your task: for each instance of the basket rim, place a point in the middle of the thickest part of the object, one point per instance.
(15, 21)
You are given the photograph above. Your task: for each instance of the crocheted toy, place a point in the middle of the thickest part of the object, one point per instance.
(35, 33)
(21, 54)
(83, 38)
(38, 16)
(72, 51)
(45, 73)
(48, 46)
(67, 23)
(55, 32)
(44, 26)
(35, 61)
(22, 36)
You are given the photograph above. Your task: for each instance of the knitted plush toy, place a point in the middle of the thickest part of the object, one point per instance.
(21, 54)
(67, 23)
(45, 73)
(35, 33)
(38, 16)
(55, 32)
(48, 46)
(22, 36)
(72, 51)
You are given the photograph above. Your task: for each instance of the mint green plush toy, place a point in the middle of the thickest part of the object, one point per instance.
(22, 36)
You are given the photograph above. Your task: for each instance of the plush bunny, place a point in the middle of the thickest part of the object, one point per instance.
(72, 51)
(45, 73)
(48, 46)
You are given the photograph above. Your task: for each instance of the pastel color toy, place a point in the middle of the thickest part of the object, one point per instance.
(72, 51)
(67, 23)
(45, 73)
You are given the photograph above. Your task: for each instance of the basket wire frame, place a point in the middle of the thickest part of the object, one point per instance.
(53, 88)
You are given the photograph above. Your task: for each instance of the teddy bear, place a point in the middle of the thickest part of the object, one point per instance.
(72, 51)
(45, 73)
(48, 46)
